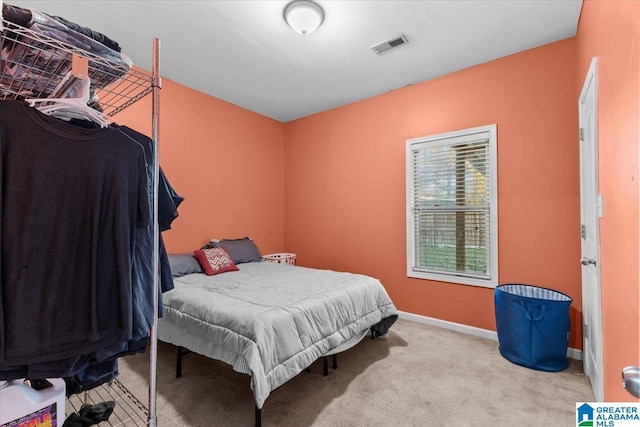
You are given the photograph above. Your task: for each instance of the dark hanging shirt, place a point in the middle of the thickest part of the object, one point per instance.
(72, 199)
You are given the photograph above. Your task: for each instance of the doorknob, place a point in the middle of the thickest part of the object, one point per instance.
(631, 380)
(587, 261)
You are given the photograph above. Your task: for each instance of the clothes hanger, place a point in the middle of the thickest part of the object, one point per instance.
(73, 96)
(73, 104)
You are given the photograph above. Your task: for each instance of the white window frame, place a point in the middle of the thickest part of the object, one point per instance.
(449, 139)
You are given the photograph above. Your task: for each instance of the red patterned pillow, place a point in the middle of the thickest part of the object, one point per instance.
(215, 261)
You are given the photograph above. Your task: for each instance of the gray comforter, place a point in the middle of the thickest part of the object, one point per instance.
(271, 321)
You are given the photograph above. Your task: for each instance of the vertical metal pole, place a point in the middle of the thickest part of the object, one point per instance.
(155, 132)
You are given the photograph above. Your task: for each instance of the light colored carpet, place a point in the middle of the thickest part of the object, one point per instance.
(419, 376)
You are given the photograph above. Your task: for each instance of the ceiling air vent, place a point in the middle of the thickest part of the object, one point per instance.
(390, 44)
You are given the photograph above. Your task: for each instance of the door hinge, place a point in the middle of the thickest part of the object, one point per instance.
(581, 134)
(600, 203)
(585, 331)
(583, 231)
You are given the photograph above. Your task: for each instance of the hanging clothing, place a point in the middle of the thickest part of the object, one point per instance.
(102, 367)
(90, 190)
(168, 202)
(168, 199)
(72, 200)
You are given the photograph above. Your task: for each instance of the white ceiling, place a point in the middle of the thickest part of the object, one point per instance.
(244, 53)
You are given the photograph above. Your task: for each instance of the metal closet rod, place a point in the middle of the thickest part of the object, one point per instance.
(156, 85)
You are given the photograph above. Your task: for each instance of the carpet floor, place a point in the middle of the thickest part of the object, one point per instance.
(419, 375)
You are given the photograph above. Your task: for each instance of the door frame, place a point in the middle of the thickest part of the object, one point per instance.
(590, 147)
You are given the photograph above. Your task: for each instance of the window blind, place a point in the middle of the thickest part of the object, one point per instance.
(451, 206)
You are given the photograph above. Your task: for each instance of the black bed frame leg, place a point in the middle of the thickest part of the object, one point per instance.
(325, 363)
(258, 416)
(179, 363)
(181, 352)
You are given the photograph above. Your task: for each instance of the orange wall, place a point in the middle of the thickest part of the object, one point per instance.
(611, 31)
(225, 161)
(345, 181)
(331, 186)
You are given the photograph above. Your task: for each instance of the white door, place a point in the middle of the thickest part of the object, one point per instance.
(590, 212)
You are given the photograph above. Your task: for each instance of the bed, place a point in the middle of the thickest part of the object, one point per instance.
(271, 320)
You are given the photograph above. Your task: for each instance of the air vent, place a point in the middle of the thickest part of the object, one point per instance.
(390, 44)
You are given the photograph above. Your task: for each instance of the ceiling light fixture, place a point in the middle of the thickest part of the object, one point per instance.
(304, 16)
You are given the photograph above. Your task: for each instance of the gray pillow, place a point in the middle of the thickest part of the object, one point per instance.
(240, 250)
(182, 264)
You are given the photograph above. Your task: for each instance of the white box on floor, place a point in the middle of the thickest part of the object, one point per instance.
(21, 404)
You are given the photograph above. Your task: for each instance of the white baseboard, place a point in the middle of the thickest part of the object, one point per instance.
(572, 353)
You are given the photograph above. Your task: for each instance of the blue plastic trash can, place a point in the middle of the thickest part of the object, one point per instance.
(533, 326)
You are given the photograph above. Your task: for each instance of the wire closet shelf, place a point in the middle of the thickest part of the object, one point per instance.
(34, 65)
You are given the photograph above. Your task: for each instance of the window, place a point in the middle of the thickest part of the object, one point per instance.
(452, 207)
